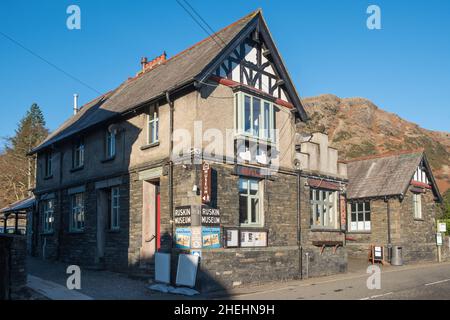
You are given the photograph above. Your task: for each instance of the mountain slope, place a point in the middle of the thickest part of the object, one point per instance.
(357, 127)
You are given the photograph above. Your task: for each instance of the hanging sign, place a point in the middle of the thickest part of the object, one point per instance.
(343, 207)
(206, 183)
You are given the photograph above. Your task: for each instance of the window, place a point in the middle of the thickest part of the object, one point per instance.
(78, 154)
(417, 205)
(250, 203)
(110, 144)
(47, 215)
(255, 117)
(114, 209)
(324, 208)
(77, 213)
(360, 216)
(48, 164)
(153, 125)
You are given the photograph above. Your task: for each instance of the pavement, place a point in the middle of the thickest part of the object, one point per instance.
(421, 281)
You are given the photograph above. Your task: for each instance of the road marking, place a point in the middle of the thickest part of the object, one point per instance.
(377, 296)
(344, 278)
(437, 282)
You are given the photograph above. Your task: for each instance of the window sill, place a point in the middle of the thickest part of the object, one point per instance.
(359, 232)
(151, 145)
(247, 136)
(419, 219)
(76, 232)
(77, 169)
(315, 229)
(251, 226)
(108, 159)
(48, 177)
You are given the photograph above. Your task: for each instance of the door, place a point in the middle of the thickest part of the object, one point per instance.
(151, 239)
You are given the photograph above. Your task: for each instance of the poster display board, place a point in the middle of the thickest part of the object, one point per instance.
(231, 238)
(211, 237)
(183, 238)
(253, 239)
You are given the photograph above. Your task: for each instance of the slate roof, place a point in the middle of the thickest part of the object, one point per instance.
(20, 205)
(174, 73)
(383, 175)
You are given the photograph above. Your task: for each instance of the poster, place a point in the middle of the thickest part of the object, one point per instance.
(232, 238)
(196, 237)
(253, 239)
(183, 238)
(211, 237)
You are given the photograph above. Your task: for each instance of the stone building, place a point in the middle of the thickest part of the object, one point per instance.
(195, 153)
(393, 201)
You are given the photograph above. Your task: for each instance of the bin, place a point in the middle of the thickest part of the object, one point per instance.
(397, 258)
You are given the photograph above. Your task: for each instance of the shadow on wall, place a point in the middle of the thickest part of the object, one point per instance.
(205, 283)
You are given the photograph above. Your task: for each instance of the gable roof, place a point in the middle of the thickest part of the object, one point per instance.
(385, 175)
(179, 71)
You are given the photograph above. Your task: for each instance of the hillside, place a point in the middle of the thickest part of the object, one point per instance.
(357, 128)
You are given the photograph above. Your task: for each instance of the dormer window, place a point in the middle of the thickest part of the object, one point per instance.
(78, 154)
(110, 144)
(255, 117)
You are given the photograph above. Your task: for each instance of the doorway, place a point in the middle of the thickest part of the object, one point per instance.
(151, 222)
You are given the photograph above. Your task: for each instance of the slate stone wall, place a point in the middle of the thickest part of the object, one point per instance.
(415, 236)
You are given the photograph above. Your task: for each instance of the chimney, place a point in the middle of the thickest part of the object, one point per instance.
(75, 103)
(144, 61)
(149, 65)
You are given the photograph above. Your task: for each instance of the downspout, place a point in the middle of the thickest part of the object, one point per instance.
(171, 116)
(299, 227)
(61, 215)
(388, 208)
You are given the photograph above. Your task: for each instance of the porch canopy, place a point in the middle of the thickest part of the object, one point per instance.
(17, 210)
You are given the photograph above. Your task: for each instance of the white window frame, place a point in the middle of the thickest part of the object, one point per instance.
(78, 149)
(115, 209)
(355, 225)
(259, 221)
(267, 134)
(48, 158)
(48, 217)
(153, 124)
(417, 206)
(110, 144)
(77, 213)
(318, 202)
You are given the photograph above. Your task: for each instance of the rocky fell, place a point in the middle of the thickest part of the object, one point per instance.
(358, 128)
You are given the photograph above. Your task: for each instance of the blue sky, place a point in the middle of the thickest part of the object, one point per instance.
(403, 68)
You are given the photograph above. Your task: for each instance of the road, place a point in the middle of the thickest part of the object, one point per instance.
(419, 282)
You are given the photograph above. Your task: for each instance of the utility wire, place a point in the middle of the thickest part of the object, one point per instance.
(49, 63)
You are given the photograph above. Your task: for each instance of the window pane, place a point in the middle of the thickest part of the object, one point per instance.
(360, 216)
(247, 114)
(368, 216)
(354, 208)
(367, 206)
(253, 187)
(243, 186)
(360, 207)
(256, 116)
(243, 214)
(255, 210)
(354, 217)
(266, 120)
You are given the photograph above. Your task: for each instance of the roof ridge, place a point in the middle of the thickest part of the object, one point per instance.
(385, 155)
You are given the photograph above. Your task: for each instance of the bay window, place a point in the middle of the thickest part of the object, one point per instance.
(255, 117)
(360, 216)
(324, 209)
(250, 202)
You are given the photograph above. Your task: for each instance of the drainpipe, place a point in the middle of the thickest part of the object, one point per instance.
(388, 208)
(61, 215)
(171, 105)
(299, 227)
